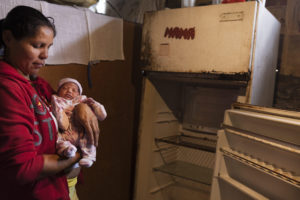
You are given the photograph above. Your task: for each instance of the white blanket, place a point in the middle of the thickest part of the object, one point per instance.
(82, 35)
(106, 37)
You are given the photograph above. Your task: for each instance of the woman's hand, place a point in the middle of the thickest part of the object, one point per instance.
(54, 164)
(85, 116)
(74, 172)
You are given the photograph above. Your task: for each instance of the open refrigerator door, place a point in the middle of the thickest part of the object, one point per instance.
(258, 154)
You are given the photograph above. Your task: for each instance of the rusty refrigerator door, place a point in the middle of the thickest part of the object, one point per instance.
(196, 63)
(258, 154)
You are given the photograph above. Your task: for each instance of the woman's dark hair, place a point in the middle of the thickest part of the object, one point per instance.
(24, 21)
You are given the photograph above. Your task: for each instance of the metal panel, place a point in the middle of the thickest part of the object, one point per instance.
(264, 58)
(207, 39)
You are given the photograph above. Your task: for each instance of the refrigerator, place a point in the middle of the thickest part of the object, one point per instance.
(195, 63)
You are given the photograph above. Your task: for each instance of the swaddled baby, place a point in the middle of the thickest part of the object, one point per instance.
(71, 134)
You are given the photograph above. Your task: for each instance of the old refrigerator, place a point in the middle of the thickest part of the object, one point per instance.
(196, 62)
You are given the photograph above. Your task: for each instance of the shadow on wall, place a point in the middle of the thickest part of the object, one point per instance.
(288, 93)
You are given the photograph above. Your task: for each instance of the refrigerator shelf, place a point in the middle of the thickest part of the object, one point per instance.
(238, 190)
(204, 143)
(260, 165)
(187, 171)
(258, 149)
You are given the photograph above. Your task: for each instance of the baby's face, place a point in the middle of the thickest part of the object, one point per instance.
(68, 91)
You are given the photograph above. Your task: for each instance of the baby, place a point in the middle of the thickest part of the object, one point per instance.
(71, 134)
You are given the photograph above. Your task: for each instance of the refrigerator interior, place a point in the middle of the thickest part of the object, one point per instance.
(179, 124)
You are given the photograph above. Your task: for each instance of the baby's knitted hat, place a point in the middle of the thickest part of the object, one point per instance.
(67, 80)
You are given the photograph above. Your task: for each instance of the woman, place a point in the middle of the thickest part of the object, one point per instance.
(30, 169)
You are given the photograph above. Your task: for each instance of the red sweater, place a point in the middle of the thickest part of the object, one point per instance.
(27, 131)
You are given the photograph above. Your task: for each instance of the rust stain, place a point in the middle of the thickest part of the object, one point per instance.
(202, 75)
(146, 53)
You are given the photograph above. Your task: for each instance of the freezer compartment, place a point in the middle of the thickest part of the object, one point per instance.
(197, 104)
(215, 39)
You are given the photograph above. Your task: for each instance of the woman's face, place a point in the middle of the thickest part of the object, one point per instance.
(28, 55)
(68, 91)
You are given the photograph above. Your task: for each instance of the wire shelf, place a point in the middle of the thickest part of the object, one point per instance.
(204, 144)
(187, 171)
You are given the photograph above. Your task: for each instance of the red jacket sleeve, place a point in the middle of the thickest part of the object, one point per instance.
(19, 161)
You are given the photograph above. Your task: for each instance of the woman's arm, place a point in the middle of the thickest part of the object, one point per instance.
(19, 159)
(54, 164)
(74, 173)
